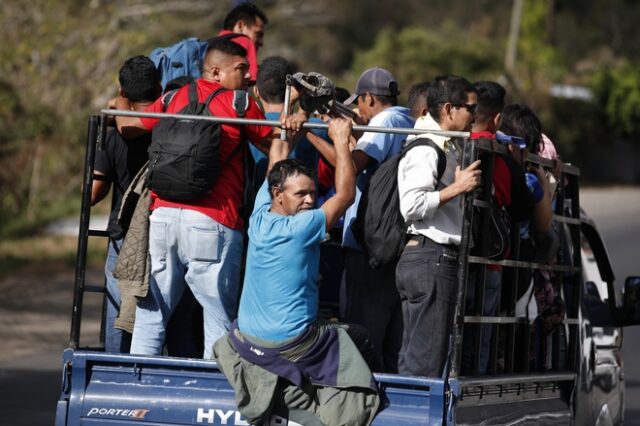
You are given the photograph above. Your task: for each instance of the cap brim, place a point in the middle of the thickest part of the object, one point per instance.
(351, 99)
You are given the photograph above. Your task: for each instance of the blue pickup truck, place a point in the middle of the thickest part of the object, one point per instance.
(581, 380)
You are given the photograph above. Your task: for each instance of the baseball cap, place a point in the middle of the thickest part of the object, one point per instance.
(376, 81)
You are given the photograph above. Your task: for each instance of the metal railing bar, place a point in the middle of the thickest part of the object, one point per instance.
(523, 264)
(276, 123)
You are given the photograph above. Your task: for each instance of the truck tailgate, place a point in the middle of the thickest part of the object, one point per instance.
(99, 388)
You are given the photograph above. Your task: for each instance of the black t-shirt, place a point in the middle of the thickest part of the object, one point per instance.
(120, 161)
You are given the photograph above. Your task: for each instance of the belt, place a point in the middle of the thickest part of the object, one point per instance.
(426, 240)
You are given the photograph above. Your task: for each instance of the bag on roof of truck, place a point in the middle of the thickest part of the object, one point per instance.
(185, 58)
(379, 226)
(184, 158)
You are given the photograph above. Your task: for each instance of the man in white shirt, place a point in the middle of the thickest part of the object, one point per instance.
(427, 269)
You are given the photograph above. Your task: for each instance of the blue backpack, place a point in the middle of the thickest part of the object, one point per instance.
(184, 58)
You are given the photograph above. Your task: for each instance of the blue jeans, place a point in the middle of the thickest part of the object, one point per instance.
(188, 248)
(115, 340)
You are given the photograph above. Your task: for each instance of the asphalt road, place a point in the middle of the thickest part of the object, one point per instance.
(36, 306)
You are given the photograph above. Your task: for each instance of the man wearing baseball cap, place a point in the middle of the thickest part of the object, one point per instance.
(372, 299)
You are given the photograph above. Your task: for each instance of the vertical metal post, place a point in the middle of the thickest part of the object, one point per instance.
(287, 101)
(100, 144)
(469, 154)
(83, 232)
(479, 274)
(511, 299)
(576, 277)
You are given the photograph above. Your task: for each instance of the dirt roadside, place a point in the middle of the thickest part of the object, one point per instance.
(35, 311)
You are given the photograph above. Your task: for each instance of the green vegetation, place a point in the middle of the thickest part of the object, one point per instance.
(59, 61)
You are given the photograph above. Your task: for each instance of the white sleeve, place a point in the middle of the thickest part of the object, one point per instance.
(417, 181)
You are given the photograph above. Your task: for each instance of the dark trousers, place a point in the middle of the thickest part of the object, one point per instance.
(426, 276)
(372, 301)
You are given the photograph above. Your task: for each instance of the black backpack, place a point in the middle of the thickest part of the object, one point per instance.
(491, 226)
(491, 239)
(379, 226)
(184, 158)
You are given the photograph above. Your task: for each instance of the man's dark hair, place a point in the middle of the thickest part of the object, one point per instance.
(386, 100)
(272, 79)
(283, 170)
(246, 12)
(519, 120)
(490, 100)
(226, 46)
(139, 79)
(418, 98)
(447, 89)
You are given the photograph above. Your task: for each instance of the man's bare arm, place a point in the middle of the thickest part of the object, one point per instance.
(279, 151)
(345, 177)
(542, 211)
(100, 188)
(129, 127)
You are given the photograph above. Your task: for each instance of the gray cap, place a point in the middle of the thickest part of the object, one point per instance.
(376, 81)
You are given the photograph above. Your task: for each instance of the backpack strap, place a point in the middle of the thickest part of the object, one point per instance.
(422, 141)
(213, 95)
(196, 107)
(167, 98)
(238, 99)
(240, 102)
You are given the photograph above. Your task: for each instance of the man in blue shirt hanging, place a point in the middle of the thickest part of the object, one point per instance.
(278, 329)
(280, 294)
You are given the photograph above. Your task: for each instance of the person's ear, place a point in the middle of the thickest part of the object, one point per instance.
(121, 92)
(447, 108)
(238, 27)
(370, 100)
(497, 119)
(276, 195)
(215, 72)
(256, 92)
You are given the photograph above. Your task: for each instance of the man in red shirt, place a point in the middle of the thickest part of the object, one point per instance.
(247, 19)
(508, 191)
(199, 243)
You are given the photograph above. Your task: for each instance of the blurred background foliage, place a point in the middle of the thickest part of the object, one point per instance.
(59, 61)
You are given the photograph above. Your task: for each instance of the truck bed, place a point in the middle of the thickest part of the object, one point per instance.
(100, 388)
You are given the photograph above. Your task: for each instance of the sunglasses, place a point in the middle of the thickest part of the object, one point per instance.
(469, 107)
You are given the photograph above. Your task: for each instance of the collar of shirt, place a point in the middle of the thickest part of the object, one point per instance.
(428, 123)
